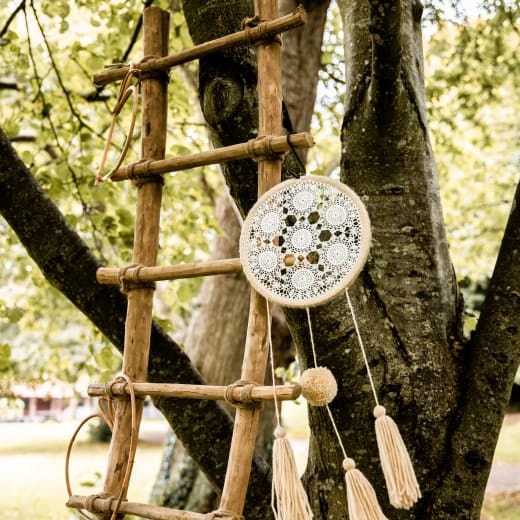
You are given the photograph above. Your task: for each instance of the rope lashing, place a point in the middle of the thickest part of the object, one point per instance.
(127, 284)
(246, 388)
(108, 415)
(261, 149)
(125, 91)
(262, 29)
(156, 74)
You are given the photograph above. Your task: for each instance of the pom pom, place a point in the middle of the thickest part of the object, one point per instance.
(319, 386)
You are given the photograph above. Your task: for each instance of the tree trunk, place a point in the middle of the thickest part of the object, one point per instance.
(214, 343)
(447, 394)
(406, 300)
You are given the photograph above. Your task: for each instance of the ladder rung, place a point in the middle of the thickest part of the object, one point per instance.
(141, 510)
(270, 29)
(137, 274)
(264, 145)
(257, 393)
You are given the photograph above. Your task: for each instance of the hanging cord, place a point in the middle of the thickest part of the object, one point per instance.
(289, 500)
(315, 358)
(362, 348)
(295, 153)
(271, 360)
(125, 91)
(107, 414)
(361, 497)
(401, 482)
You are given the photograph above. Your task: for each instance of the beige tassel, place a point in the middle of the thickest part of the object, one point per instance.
(289, 500)
(361, 497)
(403, 489)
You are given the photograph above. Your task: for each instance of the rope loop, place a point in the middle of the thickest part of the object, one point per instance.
(261, 149)
(125, 91)
(262, 29)
(246, 390)
(127, 284)
(108, 415)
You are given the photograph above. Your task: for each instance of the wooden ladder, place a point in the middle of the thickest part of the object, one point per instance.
(147, 175)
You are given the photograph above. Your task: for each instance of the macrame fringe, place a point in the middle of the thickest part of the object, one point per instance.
(361, 497)
(401, 482)
(289, 500)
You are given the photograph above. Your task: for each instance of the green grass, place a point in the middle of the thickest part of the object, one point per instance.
(32, 482)
(508, 446)
(32, 458)
(502, 507)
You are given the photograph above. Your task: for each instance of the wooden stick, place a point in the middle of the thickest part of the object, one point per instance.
(290, 21)
(256, 147)
(146, 244)
(114, 276)
(256, 349)
(258, 393)
(141, 510)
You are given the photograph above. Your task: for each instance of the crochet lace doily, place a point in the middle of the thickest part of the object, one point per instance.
(304, 241)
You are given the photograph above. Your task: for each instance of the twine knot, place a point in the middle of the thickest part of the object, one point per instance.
(246, 389)
(349, 464)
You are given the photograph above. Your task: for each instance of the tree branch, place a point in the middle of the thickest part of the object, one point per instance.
(19, 7)
(9, 85)
(385, 33)
(491, 361)
(68, 265)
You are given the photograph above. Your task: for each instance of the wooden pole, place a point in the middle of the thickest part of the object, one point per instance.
(249, 36)
(256, 348)
(254, 148)
(113, 276)
(213, 392)
(146, 242)
(99, 505)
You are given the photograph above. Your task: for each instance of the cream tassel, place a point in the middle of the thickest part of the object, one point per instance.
(361, 497)
(289, 500)
(403, 489)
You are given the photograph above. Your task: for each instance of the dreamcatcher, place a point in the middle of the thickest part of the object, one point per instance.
(302, 244)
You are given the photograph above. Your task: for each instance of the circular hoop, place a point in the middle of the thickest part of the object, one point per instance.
(304, 241)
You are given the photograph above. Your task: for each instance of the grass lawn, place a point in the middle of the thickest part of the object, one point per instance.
(32, 457)
(32, 482)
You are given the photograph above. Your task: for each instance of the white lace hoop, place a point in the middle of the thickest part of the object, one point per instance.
(305, 241)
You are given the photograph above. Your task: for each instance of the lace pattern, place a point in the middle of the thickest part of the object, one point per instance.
(305, 241)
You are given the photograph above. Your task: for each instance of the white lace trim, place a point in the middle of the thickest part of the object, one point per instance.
(305, 241)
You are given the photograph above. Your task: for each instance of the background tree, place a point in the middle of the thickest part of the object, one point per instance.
(436, 379)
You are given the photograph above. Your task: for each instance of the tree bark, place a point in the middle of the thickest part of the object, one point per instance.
(406, 300)
(447, 394)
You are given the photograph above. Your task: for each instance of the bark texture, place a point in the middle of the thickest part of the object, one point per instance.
(448, 395)
(214, 342)
(406, 300)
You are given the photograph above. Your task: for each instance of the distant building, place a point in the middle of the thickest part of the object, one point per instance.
(44, 400)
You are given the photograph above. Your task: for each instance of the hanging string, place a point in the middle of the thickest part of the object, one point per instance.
(362, 347)
(125, 91)
(361, 497)
(289, 500)
(401, 482)
(271, 362)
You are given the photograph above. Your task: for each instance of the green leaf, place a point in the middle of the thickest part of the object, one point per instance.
(5, 357)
